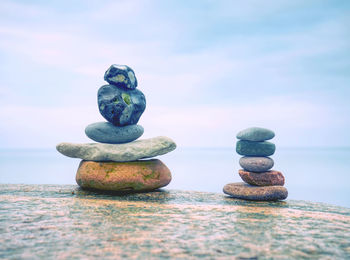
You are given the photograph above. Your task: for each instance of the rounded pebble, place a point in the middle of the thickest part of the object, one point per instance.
(105, 132)
(256, 164)
(255, 134)
(249, 148)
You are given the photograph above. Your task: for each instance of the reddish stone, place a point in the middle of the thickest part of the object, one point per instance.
(269, 178)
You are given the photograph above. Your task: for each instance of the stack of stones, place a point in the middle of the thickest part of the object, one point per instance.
(114, 162)
(261, 183)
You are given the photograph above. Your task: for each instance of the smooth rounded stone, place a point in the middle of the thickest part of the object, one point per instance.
(123, 176)
(121, 76)
(241, 190)
(255, 134)
(256, 164)
(105, 132)
(139, 149)
(269, 178)
(119, 106)
(249, 148)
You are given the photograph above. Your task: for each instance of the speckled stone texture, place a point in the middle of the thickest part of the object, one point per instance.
(143, 175)
(105, 132)
(269, 178)
(65, 222)
(255, 134)
(121, 106)
(256, 164)
(248, 148)
(139, 149)
(121, 75)
(245, 191)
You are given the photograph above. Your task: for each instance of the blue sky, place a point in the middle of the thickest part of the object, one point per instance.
(208, 68)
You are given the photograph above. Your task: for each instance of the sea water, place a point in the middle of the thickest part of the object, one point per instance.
(313, 174)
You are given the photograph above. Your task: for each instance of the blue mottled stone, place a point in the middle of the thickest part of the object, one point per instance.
(256, 134)
(120, 106)
(121, 76)
(105, 132)
(249, 148)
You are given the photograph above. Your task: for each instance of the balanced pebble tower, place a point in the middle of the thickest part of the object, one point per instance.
(261, 183)
(115, 162)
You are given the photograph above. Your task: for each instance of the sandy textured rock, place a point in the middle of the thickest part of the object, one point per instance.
(140, 175)
(245, 191)
(269, 178)
(139, 149)
(66, 222)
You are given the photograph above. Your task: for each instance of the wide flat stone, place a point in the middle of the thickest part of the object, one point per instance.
(249, 148)
(240, 190)
(65, 222)
(105, 132)
(136, 176)
(255, 134)
(269, 178)
(256, 164)
(121, 76)
(139, 149)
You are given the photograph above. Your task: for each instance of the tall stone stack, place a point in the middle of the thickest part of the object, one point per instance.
(115, 162)
(261, 183)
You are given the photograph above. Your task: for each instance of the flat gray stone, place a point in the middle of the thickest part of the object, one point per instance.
(65, 222)
(256, 164)
(240, 190)
(140, 149)
(258, 149)
(105, 132)
(255, 134)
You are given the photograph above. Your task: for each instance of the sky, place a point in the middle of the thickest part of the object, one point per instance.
(208, 69)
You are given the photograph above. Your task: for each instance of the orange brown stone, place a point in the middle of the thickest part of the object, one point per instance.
(141, 175)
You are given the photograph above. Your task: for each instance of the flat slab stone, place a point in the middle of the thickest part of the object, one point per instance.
(256, 164)
(255, 134)
(105, 132)
(65, 222)
(269, 178)
(142, 175)
(249, 148)
(139, 149)
(240, 190)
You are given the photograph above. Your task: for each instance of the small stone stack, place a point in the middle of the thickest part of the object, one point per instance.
(261, 182)
(113, 164)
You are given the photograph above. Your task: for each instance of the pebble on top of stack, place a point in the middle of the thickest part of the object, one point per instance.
(262, 183)
(114, 162)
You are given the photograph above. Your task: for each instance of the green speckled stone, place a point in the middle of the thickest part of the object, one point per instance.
(248, 148)
(255, 134)
(65, 222)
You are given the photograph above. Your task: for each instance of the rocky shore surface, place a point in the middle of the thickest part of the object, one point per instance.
(65, 222)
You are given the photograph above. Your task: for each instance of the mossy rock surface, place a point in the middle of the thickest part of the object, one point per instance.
(142, 175)
(65, 222)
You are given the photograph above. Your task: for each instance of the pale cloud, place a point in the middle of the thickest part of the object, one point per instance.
(198, 96)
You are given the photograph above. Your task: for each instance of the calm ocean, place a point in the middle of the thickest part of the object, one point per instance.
(313, 174)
